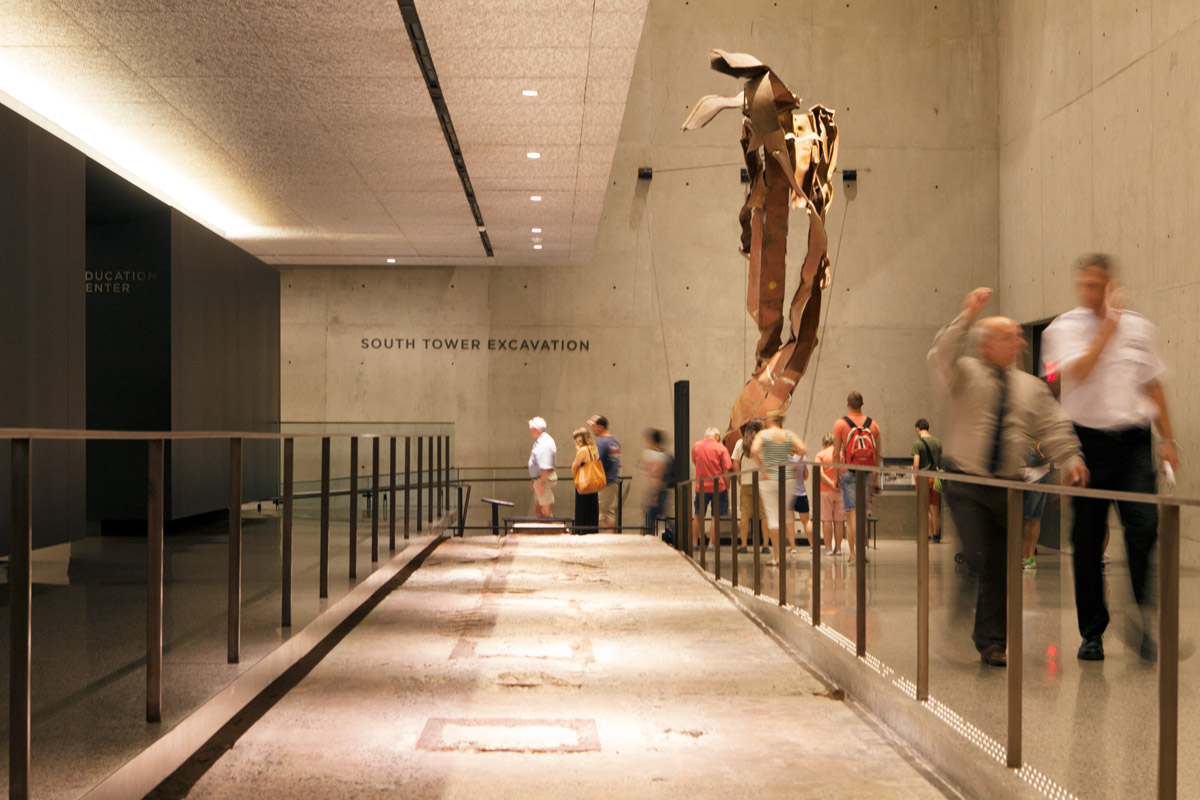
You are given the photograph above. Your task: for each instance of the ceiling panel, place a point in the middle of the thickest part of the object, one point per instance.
(308, 125)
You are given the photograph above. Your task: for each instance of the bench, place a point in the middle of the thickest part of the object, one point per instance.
(495, 504)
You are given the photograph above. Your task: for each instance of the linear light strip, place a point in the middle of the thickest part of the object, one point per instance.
(412, 24)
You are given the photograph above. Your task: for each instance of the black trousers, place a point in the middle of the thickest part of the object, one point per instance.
(1123, 461)
(980, 515)
(587, 513)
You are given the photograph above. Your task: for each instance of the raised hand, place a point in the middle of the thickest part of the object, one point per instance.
(976, 299)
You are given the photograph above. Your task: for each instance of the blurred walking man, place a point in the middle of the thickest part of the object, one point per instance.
(1107, 360)
(992, 410)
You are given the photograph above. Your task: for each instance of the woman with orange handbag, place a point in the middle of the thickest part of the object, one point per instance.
(587, 499)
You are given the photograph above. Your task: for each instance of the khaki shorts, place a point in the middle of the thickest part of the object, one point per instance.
(546, 496)
(831, 507)
(608, 502)
(746, 504)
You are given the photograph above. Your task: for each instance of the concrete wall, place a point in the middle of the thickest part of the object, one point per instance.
(914, 88)
(1098, 151)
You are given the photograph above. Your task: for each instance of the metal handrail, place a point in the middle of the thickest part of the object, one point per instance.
(1169, 535)
(435, 474)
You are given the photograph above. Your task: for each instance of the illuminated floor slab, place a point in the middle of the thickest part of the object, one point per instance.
(560, 666)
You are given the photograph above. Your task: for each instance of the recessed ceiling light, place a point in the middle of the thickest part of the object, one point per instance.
(529, 92)
(391, 261)
(537, 198)
(535, 230)
(533, 155)
(537, 247)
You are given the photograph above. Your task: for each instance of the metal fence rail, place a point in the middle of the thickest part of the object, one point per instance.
(23, 452)
(1168, 537)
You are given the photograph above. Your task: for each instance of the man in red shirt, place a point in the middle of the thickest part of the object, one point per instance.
(850, 440)
(711, 458)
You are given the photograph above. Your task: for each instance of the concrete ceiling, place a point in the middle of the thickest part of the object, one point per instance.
(303, 130)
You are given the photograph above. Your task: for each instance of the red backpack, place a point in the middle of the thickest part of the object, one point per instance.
(860, 444)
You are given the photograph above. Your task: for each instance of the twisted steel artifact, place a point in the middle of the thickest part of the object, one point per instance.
(790, 156)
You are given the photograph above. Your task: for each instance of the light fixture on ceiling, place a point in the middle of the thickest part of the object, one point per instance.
(537, 198)
(535, 230)
(533, 155)
(537, 247)
(154, 172)
(391, 261)
(529, 92)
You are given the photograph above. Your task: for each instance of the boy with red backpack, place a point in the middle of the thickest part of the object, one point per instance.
(856, 440)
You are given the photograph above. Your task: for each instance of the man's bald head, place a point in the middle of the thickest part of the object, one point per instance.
(1001, 340)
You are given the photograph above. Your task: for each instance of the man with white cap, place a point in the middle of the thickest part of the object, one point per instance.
(541, 468)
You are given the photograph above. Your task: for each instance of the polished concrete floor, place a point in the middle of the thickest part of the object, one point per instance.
(88, 662)
(1092, 727)
(560, 666)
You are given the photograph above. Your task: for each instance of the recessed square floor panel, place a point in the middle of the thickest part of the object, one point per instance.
(510, 735)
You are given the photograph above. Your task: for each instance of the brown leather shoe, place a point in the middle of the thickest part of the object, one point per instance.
(994, 657)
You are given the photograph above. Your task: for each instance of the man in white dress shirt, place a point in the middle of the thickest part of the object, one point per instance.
(1107, 360)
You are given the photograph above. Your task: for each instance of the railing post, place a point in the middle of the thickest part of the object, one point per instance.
(154, 581)
(375, 500)
(429, 482)
(392, 496)
(234, 622)
(756, 531)
(698, 523)
(324, 567)
(734, 487)
(1168, 652)
(420, 482)
(353, 507)
(407, 481)
(785, 538)
(439, 477)
(718, 496)
(20, 586)
(922, 589)
(814, 509)
(620, 505)
(860, 561)
(1015, 646)
(680, 531)
(289, 451)
(687, 518)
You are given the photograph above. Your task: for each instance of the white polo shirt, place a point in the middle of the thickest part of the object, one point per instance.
(542, 455)
(1112, 395)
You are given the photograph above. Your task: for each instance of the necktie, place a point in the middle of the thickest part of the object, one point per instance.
(998, 434)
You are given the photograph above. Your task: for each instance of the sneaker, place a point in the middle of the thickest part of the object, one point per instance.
(1092, 649)
(743, 549)
(1029, 563)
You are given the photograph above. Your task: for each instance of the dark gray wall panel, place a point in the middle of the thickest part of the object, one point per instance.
(42, 365)
(225, 365)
